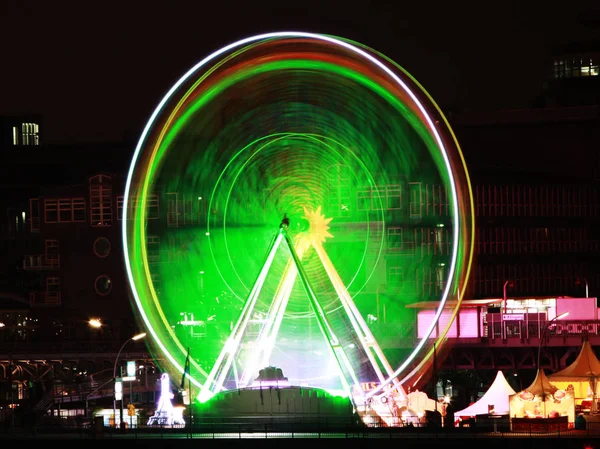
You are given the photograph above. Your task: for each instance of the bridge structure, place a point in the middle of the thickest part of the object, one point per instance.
(512, 335)
(75, 372)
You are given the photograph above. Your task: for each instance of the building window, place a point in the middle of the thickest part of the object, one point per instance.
(51, 211)
(584, 65)
(394, 239)
(100, 201)
(363, 198)
(172, 210)
(103, 285)
(34, 214)
(64, 210)
(102, 247)
(378, 199)
(52, 296)
(71, 210)
(395, 276)
(188, 209)
(52, 252)
(155, 278)
(339, 204)
(394, 197)
(31, 134)
(152, 211)
(416, 199)
(28, 134)
(153, 248)
(440, 276)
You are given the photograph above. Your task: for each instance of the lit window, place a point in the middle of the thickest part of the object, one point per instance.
(29, 134)
(440, 278)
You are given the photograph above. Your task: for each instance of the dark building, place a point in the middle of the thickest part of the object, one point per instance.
(20, 131)
(574, 76)
(535, 177)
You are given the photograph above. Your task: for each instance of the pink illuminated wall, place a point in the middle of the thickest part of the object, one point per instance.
(469, 324)
(578, 308)
(466, 322)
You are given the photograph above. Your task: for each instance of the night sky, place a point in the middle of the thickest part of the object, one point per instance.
(96, 70)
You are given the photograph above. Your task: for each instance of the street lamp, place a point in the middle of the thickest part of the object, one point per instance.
(96, 323)
(508, 283)
(580, 281)
(134, 338)
(546, 327)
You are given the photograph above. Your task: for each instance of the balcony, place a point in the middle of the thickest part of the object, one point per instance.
(41, 262)
(44, 299)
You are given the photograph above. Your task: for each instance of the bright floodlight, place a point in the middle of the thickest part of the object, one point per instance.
(95, 322)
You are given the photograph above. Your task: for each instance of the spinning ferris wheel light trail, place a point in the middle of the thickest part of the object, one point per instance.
(315, 237)
(319, 130)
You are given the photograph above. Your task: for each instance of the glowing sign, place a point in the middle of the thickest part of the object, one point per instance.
(118, 390)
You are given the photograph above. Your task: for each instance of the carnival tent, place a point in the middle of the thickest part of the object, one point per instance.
(582, 376)
(497, 396)
(542, 399)
(541, 385)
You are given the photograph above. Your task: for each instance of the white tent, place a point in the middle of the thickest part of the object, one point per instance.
(496, 396)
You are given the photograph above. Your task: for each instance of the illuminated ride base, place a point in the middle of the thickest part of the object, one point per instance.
(224, 378)
(166, 414)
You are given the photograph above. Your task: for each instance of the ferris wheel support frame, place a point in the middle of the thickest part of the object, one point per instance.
(265, 341)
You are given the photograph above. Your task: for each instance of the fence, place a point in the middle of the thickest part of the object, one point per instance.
(270, 428)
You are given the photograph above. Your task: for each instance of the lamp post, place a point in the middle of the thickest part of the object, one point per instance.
(508, 283)
(134, 338)
(380, 287)
(587, 287)
(546, 327)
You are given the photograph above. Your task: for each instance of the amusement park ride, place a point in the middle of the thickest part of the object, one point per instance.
(385, 404)
(302, 124)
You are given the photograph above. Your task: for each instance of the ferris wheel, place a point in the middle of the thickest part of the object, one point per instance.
(303, 175)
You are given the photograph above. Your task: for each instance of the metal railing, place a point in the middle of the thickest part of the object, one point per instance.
(533, 329)
(253, 428)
